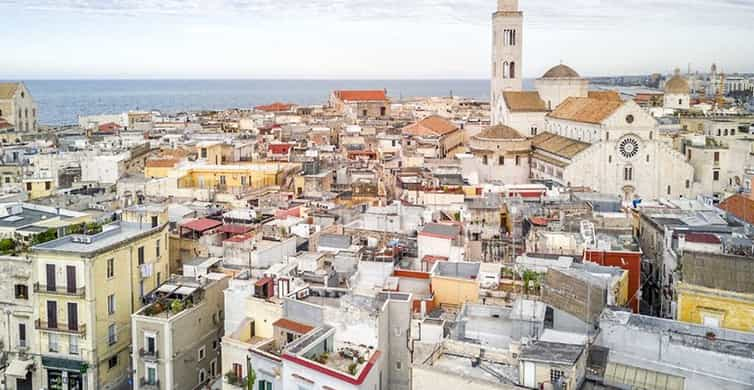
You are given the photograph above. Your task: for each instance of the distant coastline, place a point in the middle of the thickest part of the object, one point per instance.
(62, 101)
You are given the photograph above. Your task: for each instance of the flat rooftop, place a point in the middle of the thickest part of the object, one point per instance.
(111, 236)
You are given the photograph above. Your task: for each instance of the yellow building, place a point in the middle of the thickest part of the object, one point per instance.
(88, 287)
(39, 187)
(160, 167)
(455, 283)
(216, 153)
(716, 290)
(236, 177)
(715, 308)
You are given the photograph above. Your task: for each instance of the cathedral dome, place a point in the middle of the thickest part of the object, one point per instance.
(677, 85)
(499, 132)
(560, 71)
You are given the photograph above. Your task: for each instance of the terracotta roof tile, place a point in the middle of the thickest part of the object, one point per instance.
(740, 206)
(605, 95)
(361, 95)
(558, 145)
(588, 110)
(526, 101)
(7, 90)
(431, 126)
(294, 326)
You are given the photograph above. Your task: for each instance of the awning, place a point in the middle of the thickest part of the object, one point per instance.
(18, 368)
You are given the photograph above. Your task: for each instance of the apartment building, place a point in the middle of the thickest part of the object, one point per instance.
(89, 285)
(177, 336)
(16, 326)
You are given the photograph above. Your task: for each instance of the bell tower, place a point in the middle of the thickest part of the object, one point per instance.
(507, 43)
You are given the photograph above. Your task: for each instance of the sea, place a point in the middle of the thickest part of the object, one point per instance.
(61, 102)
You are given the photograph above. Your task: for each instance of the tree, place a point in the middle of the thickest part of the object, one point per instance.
(7, 245)
(252, 377)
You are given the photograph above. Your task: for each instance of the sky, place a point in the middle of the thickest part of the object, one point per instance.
(356, 39)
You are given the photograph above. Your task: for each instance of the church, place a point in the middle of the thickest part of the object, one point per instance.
(580, 138)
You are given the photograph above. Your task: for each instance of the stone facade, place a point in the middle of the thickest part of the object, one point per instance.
(17, 107)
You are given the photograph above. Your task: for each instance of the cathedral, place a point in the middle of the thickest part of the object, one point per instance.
(578, 137)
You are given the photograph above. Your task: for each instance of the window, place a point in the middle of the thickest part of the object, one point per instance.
(215, 344)
(22, 291)
(52, 314)
(28, 186)
(73, 344)
(155, 221)
(609, 159)
(556, 376)
(202, 376)
(73, 316)
(518, 160)
(222, 180)
(48, 185)
(688, 184)
(150, 345)
(647, 158)
(628, 173)
(238, 370)
(484, 160)
(110, 268)
(112, 362)
(266, 385)
(243, 180)
(501, 160)
(112, 335)
(204, 153)
(22, 335)
(717, 156)
(506, 69)
(141, 255)
(157, 249)
(202, 353)
(534, 130)
(151, 375)
(111, 304)
(513, 70)
(52, 342)
(716, 175)
(668, 190)
(213, 368)
(398, 365)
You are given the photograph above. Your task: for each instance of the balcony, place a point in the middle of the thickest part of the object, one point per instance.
(59, 290)
(61, 327)
(146, 384)
(149, 356)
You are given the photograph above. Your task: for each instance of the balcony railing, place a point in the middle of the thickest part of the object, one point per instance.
(63, 327)
(59, 290)
(149, 355)
(146, 384)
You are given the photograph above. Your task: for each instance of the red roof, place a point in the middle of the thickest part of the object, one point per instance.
(275, 107)
(280, 148)
(263, 281)
(363, 95)
(740, 206)
(201, 224)
(539, 221)
(234, 229)
(110, 127)
(702, 238)
(294, 326)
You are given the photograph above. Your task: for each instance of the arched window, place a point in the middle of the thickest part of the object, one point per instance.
(506, 73)
(513, 70)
